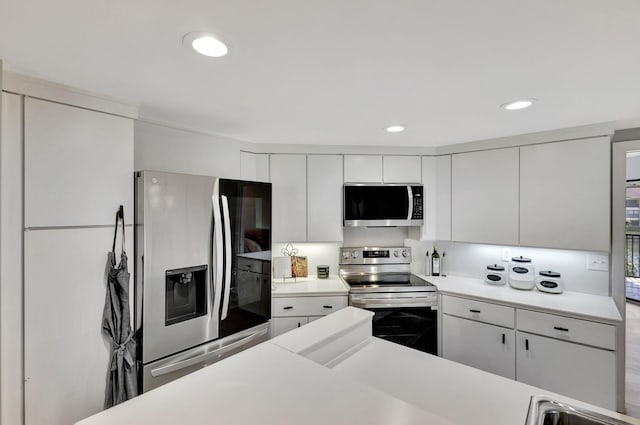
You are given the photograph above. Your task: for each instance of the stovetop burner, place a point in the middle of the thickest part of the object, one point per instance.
(380, 270)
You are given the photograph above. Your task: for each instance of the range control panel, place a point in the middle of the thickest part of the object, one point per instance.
(375, 255)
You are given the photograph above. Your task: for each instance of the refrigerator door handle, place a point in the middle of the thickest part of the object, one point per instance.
(218, 249)
(207, 356)
(227, 251)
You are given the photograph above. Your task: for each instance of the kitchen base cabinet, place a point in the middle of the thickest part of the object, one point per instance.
(480, 345)
(575, 370)
(280, 325)
(292, 312)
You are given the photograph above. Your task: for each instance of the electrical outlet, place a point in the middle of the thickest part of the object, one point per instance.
(506, 254)
(598, 262)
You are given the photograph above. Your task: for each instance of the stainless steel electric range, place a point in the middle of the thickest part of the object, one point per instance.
(405, 305)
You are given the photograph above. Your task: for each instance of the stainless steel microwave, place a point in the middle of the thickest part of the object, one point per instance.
(379, 205)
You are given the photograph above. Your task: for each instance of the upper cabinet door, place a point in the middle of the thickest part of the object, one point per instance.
(78, 165)
(363, 169)
(564, 194)
(289, 197)
(324, 195)
(401, 169)
(254, 166)
(484, 196)
(436, 179)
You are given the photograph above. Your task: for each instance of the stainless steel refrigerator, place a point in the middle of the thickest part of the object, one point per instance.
(203, 271)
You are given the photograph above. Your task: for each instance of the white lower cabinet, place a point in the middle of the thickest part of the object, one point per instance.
(292, 312)
(480, 345)
(569, 356)
(578, 371)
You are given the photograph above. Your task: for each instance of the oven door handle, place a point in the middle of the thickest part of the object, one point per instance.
(391, 303)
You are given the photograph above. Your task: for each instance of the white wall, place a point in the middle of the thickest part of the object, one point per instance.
(471, 260)
(162, 148)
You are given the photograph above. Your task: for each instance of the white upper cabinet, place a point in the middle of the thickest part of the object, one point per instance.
(254, 166)
(289, 197)
(363, 169)
(78, 165)
(565, 193)
(484, 196)
(401, 169)
(324, 196)
(436, 179)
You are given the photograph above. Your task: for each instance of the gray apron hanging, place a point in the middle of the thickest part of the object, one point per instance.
(122, 374)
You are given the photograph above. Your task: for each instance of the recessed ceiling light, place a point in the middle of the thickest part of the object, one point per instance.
(518, 104)
(396, 128)
(205, 43)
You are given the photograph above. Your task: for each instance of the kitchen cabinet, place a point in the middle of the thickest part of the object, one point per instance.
(565, 194)
(78, 165)
(292, 312)
(324, 198)
(382, 169)
(578, 371)
(307, 198)
(485, 196)
(363, 169)
(289, 197)
(479, 334)
(567, 355)
(401, 169)
(65, 354)
(254, 166)
(480, 345)
(436, 179)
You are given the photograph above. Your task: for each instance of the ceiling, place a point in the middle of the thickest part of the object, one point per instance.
(339, 71)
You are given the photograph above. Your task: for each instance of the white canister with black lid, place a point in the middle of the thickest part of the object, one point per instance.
(549, 281)
(522, 273)
(495, 275)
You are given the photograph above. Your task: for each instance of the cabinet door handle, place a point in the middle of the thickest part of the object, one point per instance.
(474, 311)
(558, 328)
(299, 324)
(526, 344)
(327, 306)
(288, 307)
(504, 339)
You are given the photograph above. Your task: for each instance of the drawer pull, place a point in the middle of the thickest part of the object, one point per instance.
(474, 311)
(289, 307)
(504, 338)
(558, 328)
(526, 344)
(327, 306)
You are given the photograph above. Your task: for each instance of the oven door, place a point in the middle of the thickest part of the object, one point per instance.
(409, 319)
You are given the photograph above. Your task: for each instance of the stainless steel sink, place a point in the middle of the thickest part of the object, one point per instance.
(544, 411)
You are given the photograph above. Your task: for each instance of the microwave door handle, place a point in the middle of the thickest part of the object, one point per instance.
(410, 195)
(172, 367)
(227, 252)
(218, 249)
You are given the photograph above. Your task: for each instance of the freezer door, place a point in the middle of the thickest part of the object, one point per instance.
(246, 279)
(166, 370)
(175, 297)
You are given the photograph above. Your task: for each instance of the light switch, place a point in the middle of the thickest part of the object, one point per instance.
(598, 262)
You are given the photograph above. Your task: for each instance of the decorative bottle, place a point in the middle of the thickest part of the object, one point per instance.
(435, 262)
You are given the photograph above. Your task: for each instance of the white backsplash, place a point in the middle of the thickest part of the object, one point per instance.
(471, 260)
(317, 253)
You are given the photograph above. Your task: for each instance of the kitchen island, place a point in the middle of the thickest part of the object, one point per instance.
(333, 371)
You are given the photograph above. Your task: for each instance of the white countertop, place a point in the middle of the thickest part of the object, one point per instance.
(309, 286)
(265, 385)
(459, 393)
(587, 306)
(375, 382)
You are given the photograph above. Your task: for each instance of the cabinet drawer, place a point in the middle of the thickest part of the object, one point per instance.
(307, 306)
(280, 325)
(568, 329)
(477, 310)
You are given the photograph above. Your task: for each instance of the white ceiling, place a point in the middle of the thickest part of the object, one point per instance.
(338, 71)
